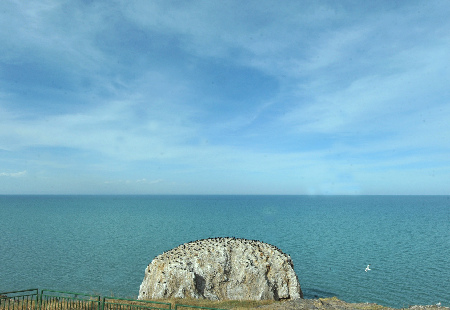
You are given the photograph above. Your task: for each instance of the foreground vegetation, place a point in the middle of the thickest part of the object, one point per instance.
(121, 304)
(332, 303)
(224, 304)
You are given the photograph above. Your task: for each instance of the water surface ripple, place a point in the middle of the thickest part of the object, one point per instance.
(102, 244)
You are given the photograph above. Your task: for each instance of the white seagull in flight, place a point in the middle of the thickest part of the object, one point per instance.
(368, 268)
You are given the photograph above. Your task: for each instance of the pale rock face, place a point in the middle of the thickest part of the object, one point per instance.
(222, 269)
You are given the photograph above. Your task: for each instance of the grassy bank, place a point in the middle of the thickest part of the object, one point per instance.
(313, 304)
(224, 304)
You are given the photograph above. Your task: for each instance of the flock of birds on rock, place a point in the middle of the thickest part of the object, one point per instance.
(210, 243)
(179, 256)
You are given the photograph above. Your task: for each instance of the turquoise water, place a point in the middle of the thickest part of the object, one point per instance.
(102, 244)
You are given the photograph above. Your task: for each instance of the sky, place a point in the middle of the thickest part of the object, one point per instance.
(225, 97)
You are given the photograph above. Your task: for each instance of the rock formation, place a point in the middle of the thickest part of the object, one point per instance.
(222, 269)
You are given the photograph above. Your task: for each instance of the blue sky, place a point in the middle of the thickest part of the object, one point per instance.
(224, 97)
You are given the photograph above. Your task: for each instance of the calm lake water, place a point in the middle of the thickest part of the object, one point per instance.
(102, 244)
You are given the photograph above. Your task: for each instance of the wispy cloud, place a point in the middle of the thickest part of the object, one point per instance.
(13, 174)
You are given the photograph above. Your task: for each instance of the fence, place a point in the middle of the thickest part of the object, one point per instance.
(19, 300)
(110, 303)
(57, 300)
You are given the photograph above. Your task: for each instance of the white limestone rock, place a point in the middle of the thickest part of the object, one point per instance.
(222, 269)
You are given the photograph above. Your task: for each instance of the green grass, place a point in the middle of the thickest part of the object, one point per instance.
(223, 304)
